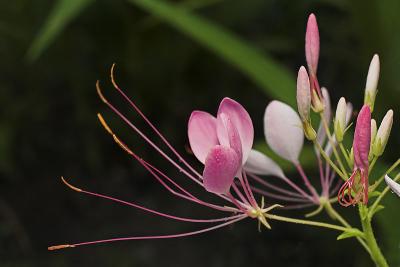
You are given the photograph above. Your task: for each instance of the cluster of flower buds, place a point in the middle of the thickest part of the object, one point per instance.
(369, 142)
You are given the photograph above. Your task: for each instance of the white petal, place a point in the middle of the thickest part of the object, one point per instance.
(260, 164)
(395, 187)
(283, 130)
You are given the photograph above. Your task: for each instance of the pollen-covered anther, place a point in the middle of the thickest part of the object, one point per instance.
(60, 247)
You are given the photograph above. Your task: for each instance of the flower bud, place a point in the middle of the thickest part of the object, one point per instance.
(303, 94)
(383, 133)
(340, 119)
(312, 44)
(372, 82)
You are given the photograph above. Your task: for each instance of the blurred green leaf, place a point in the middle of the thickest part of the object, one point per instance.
(64, 11)
(263, 70)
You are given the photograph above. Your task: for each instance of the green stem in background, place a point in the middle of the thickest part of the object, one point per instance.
(335, 215)
(326, 157)
(345, 154)
(371, 166)
(332, 142)
(380, 180)
(376, 253)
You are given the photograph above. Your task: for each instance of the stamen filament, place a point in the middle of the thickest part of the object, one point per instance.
(274, 187)
(181, 159)
(149, 237)
(131, 204)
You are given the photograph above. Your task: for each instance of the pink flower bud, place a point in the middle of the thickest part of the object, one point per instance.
(356, 187)
(312, 44)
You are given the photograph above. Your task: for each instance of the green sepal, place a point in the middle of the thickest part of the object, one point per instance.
(353, 233)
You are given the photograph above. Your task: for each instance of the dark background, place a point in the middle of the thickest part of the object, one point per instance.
(48, 128)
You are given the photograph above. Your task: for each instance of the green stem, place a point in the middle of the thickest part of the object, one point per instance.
(335, 215)
(307, 222)
(376, 253)
(371, 166)
(333, 165)
(328, 133)
(345, 154)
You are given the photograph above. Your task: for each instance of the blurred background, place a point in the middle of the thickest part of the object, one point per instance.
(172, 57)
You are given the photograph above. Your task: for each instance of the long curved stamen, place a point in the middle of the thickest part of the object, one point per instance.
(141, 134)
(153, 171)
(149, 237)
(240, 195)
(307, 183)
(248, 188)
(181, 159)
(131, 204)
(299, 206)
(274, 187)
(279, 197)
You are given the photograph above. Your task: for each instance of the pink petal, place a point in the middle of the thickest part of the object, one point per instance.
(283, 131)
(312, 44)
(258, 163)
(228, 135)
(362, 138)
(242, 122)
(202, 132)
(221, 166)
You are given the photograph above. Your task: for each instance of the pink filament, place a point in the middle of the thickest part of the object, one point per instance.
(160, 236)
(160, 213)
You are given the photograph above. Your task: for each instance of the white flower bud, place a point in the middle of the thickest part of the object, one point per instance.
(372, 82)
(340, 119)
(303, 94)
(383, 133)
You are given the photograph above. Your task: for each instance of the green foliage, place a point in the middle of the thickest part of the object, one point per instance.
(64, 11)
(263, 70)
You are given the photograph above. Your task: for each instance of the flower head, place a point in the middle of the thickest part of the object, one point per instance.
(356, 187)
(221, 143)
